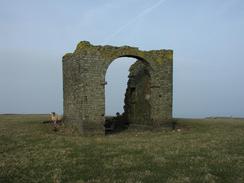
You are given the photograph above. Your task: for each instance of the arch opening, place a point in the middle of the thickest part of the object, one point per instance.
(116, 80)
(127, 92)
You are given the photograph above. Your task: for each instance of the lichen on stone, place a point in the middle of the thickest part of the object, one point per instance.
(82, 45)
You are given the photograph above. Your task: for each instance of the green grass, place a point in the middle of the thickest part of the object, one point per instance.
(209, 150)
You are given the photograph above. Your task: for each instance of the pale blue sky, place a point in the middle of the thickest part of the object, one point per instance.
(206, 36)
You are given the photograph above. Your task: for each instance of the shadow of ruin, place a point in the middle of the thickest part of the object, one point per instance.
(148, 97)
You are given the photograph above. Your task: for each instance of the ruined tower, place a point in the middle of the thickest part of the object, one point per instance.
(148, 98)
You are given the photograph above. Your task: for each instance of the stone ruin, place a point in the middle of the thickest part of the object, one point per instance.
(148, 97)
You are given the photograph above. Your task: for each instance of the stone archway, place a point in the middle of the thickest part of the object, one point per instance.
(84, 79)
(116, 79)
(137, 105)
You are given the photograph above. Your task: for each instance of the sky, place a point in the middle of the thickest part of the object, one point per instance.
(206, 36)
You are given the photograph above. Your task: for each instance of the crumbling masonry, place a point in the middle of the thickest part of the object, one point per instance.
(148, 98)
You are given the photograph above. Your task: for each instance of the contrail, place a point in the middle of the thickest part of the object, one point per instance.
(139, 16)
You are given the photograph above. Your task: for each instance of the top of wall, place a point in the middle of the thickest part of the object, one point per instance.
(85, 47)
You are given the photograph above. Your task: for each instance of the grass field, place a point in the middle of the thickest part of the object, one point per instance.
(210, 150)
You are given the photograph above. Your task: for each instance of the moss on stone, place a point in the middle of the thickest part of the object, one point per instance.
(67, 55)
(169, 55)
(83, 44)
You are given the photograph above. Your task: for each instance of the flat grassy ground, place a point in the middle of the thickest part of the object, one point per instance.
(210, 150)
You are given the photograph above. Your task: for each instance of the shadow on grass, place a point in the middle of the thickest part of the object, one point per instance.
(115, 125)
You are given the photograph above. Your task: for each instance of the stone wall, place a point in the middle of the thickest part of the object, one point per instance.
(84, 79)
(137, 97)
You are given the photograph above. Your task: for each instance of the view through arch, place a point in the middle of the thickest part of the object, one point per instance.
(116, 79)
